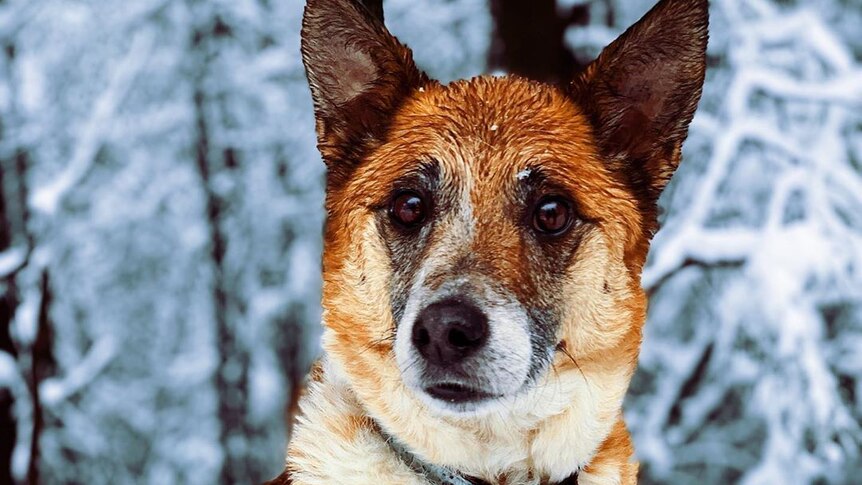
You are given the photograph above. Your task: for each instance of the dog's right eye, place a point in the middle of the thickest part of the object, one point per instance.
(552, 216)
(407, 209)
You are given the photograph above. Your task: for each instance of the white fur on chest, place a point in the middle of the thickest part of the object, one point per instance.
(550, 434)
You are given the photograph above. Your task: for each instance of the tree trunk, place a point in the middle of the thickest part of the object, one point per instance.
(529, 38)
(231, 378)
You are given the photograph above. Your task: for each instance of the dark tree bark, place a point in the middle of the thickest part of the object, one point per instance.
(529, 41)
(8, 304)
(13, 236)
(232, 374)
(42, 366)
(11, 217)
(231, 378)
(36, 360)
(291, 338)
(529, 38)
(375, 7)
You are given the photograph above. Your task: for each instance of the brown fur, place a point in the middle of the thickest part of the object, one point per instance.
(610, 142)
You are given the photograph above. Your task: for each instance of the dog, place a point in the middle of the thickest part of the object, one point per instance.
(483, 247)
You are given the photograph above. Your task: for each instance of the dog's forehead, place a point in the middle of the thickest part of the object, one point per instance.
(496, 132)
(496, 121)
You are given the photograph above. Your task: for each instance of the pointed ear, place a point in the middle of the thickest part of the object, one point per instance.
(642, 91)
(359, 74)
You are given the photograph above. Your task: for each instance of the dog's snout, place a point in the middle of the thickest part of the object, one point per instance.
(448, 331)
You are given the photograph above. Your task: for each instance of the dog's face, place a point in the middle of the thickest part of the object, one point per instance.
(496, 221)
(484, 236)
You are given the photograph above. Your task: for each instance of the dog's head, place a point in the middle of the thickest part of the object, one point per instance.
(483, 236)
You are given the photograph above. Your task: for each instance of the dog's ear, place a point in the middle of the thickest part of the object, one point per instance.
(642, 91)
(358, 72)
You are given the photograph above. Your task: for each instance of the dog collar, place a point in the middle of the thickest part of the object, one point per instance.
(439, 475)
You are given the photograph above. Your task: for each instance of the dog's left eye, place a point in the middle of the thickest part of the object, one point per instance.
(408, 209)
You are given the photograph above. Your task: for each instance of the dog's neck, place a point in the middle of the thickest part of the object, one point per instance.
(439, 475)
(336, 441)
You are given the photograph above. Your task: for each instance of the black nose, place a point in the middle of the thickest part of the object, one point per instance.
(448, 331)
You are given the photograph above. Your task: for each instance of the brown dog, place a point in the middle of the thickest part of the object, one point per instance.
(483, 251)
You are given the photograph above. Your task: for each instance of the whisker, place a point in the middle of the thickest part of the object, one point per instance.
(562, 347)
(367, 347)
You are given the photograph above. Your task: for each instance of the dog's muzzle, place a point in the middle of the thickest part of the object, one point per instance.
(463, 344)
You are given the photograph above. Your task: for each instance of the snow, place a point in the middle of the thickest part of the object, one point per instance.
(55, 390)
(12, 259)
(8, 370)
(89, 141)
(769, 298)
(750, 371)
(102, 98)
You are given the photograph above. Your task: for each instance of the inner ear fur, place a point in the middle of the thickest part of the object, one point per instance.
(642, 91)
(358, 73)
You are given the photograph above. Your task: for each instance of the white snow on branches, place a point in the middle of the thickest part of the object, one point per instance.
(747, 374)
(751, 370)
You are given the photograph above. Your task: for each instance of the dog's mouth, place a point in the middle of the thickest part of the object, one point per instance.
(461, 351)
(455, 393)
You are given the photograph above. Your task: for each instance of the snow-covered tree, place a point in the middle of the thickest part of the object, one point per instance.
(750, 370)
(161, 205)
(161, 216)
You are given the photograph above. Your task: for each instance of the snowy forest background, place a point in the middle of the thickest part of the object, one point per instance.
(160, 222)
